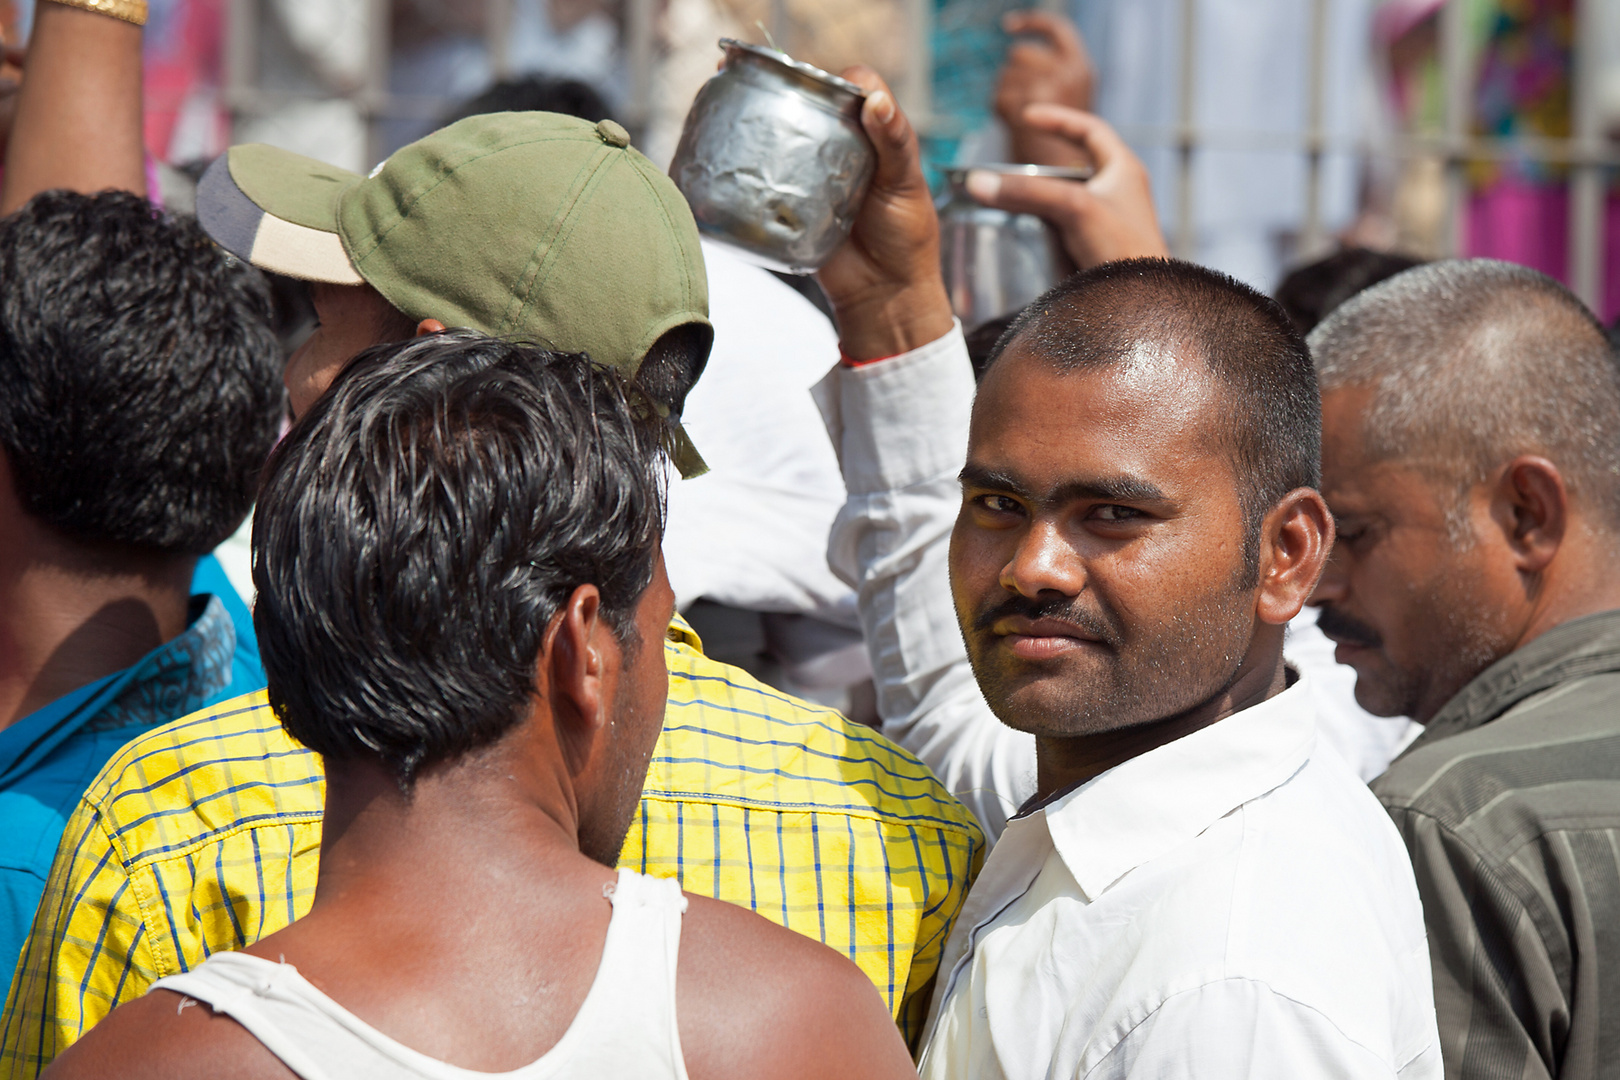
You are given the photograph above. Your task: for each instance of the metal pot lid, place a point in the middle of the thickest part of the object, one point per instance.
(957, 173)
(798, 66)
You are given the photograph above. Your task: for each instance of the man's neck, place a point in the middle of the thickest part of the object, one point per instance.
(1580, 582)
(498, 814)
(1063, 763)
(70, 615)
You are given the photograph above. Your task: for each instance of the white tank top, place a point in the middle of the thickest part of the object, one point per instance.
(626, 1027)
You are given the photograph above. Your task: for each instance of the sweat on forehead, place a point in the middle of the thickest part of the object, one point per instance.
(1136, 309)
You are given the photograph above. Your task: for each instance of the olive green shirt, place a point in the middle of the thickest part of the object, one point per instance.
(1510, 806)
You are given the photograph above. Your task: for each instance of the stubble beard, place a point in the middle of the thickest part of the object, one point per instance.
(1141, 676)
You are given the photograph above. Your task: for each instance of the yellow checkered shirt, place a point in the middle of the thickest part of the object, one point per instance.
(204, 835)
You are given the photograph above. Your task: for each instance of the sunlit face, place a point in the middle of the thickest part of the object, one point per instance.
(1409, 608)
(640, 689)
(350, 319)
(1098, 563)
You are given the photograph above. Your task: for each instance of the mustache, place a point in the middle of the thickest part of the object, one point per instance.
(1336, 624)
(1096, 623)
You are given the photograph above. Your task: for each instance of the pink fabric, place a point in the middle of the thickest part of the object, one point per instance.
(1529, 224)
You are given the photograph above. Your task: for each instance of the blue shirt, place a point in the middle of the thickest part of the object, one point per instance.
(49, 757)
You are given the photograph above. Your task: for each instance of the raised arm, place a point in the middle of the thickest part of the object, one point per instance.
(78, 120)
(900, 428)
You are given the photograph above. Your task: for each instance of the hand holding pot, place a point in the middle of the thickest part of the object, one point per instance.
(884, 282)
(1108, 217)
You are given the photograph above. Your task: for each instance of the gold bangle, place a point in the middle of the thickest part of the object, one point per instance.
(131, 11)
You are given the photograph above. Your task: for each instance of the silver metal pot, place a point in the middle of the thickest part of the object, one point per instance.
(773, 158)
(996, 262)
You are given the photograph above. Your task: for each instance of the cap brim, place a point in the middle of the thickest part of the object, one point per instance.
(278, 211)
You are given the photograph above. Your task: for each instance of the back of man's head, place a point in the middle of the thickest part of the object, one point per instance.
(1471, 363)
(1311, 292)
(421, 525)
(140, 384)
(1271, 422)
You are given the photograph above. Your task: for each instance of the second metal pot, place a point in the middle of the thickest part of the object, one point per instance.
(996, 262)
(773, 158)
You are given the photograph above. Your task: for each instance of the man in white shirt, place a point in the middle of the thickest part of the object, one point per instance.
(1200, 887)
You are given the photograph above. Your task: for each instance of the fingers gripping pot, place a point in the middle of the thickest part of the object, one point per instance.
(773, 158)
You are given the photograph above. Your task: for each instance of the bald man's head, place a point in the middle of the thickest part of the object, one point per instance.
(1465, 364)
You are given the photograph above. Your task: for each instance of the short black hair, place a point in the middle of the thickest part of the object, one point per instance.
(535, 93)
(140, 384)
(423, 522)
(1272, 424)
(1310, 293)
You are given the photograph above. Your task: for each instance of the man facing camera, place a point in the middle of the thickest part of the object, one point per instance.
(476, 655)
(1471, 421)
(1199, 887)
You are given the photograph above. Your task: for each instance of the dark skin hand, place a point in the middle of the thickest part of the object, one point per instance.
(1419, 616)
(1097, 563)
(468, 921)
(885, 284)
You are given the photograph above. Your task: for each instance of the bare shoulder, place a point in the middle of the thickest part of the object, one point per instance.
(760, 1001)
(169, 1036)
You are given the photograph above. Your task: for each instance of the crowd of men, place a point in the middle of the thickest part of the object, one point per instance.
(463, 794)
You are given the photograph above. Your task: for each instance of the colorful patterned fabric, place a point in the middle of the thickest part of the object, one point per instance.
(204, 835)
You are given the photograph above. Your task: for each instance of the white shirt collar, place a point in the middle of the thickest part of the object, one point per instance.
(1144, 807)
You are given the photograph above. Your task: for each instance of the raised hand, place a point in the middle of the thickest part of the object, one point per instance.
(885, 285)
(1108, 217)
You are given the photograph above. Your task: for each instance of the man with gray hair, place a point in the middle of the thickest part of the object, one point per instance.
(1471, 457)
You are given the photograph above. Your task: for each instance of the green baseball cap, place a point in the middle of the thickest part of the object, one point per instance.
(522, 225)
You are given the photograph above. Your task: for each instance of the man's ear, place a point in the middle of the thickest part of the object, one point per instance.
(1295, 540)
(578, 654)
(429, 326)
(1530, 504)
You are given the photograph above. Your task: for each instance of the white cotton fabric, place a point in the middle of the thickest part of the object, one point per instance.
(625, 1030)
(1232, 904)
(752, 531)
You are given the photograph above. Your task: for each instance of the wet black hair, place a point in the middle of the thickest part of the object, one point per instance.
(424, 521)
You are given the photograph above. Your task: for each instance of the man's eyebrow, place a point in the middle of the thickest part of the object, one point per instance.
(1121, 488)
(1129, 489)
(978, 476)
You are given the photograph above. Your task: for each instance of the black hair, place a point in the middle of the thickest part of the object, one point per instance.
(140, 384)
(1272, 416)
(535, 93)
(421, 525)
(1309, 293)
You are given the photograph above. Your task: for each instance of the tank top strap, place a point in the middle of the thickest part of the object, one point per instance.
(626, 1028)
(632, 1001)
(253, 992)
